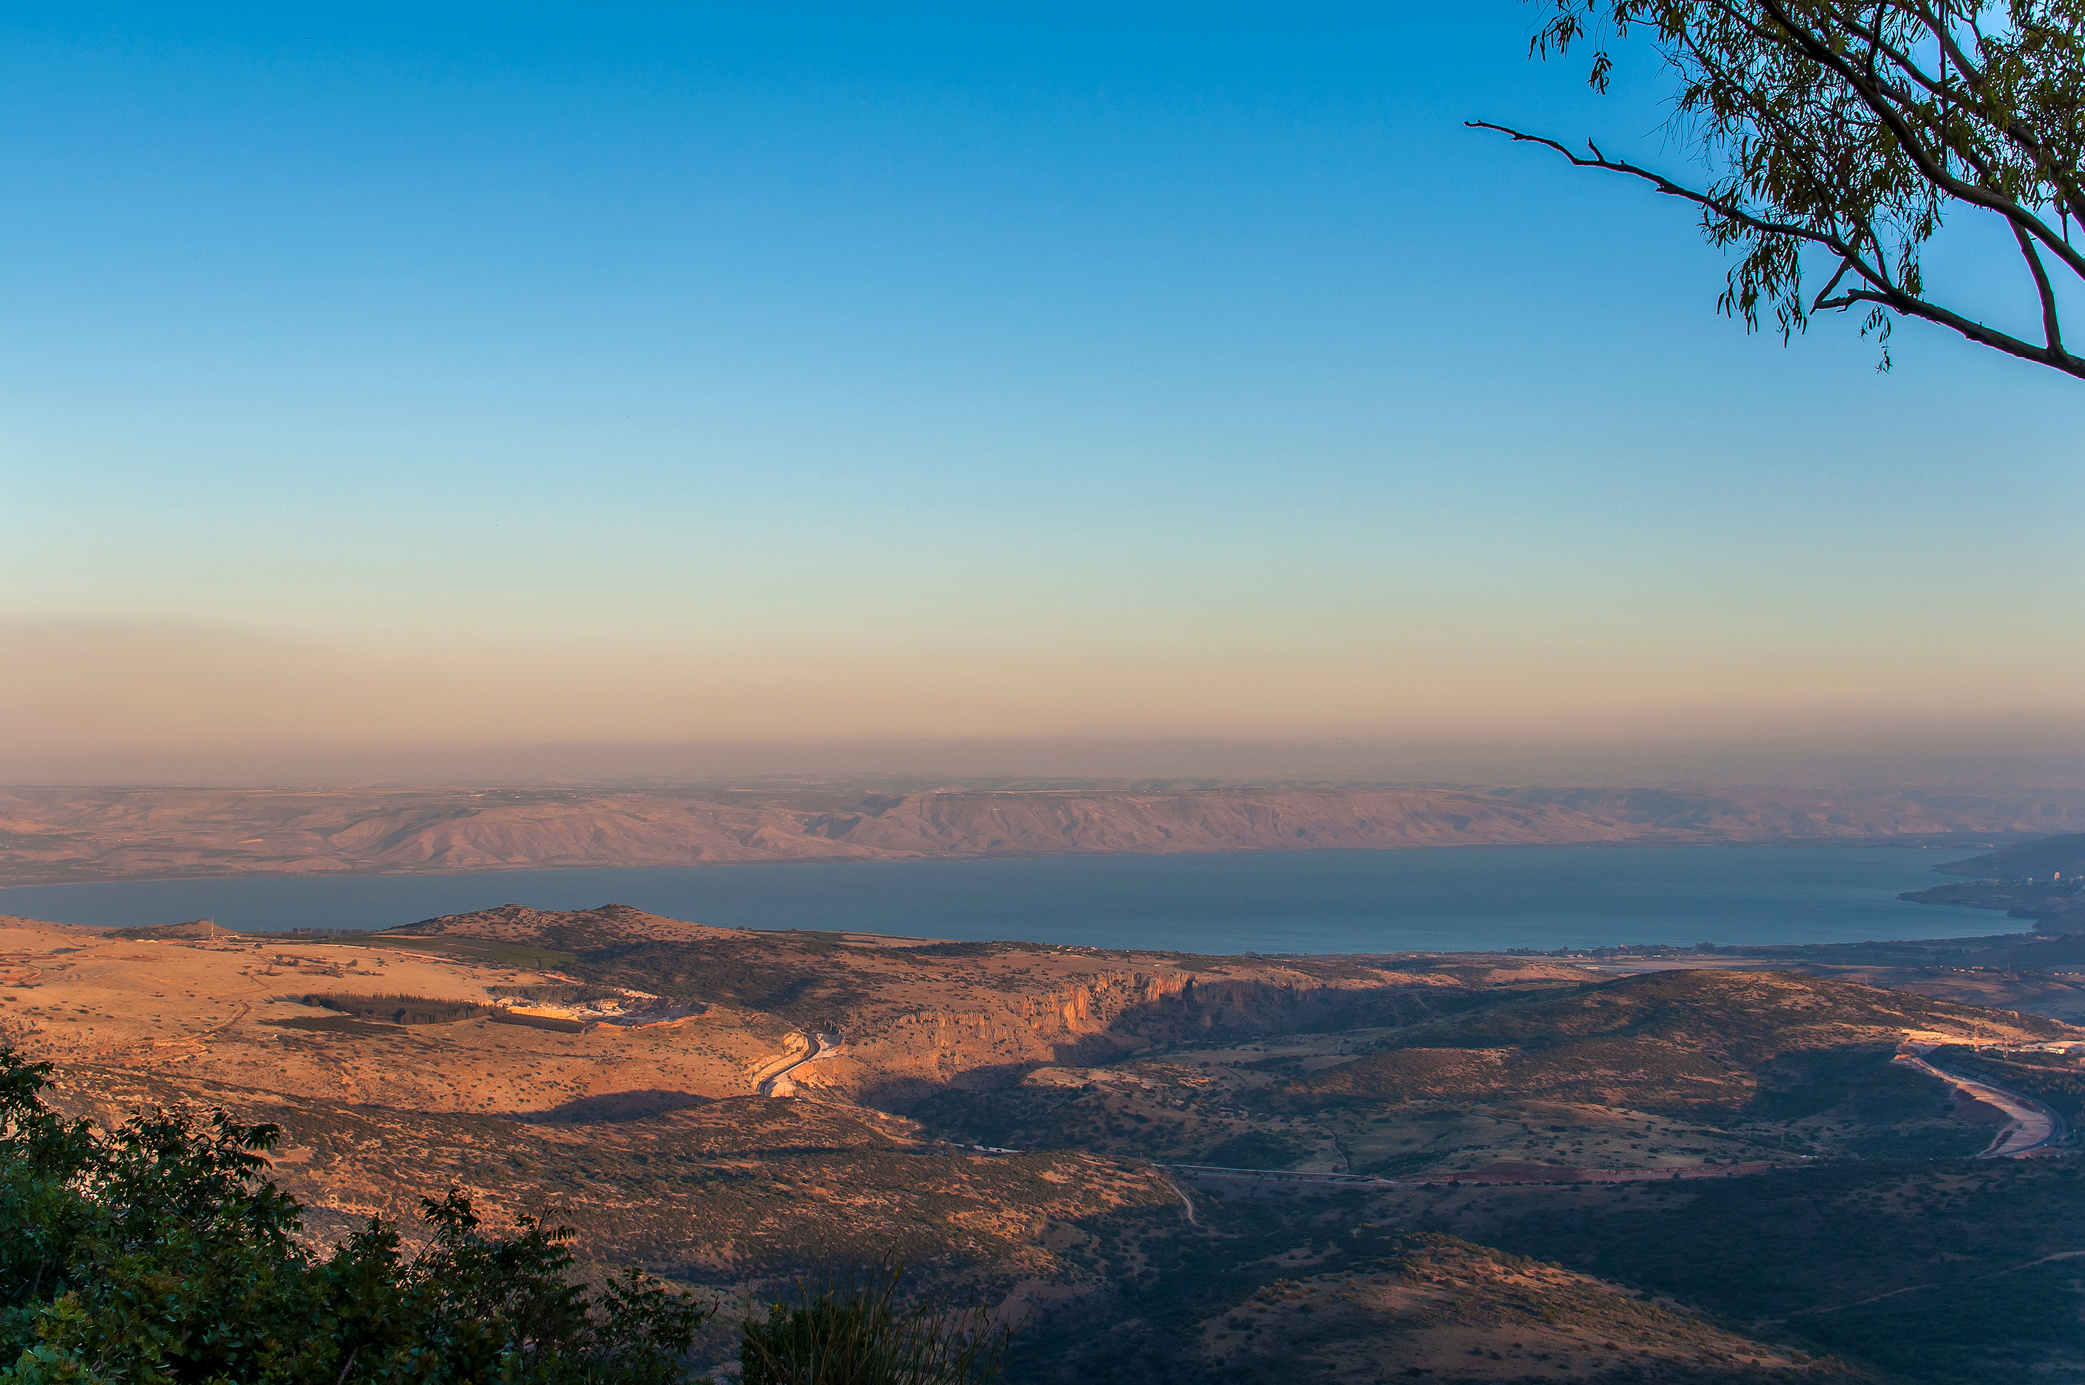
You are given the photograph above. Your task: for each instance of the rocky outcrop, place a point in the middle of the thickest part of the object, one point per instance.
(988, 1040)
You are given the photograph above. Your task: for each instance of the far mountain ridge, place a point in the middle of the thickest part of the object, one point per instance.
(50, 835)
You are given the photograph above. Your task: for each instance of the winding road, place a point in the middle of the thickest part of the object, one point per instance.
(2030, 1126)
(774, 1080)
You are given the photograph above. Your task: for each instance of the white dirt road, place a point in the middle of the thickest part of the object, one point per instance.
(2029, 1124)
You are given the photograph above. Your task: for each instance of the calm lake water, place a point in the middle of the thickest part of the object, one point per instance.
(1449, 899)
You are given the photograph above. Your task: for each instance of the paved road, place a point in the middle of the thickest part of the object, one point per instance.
(773, 1079)
(1491, 1177)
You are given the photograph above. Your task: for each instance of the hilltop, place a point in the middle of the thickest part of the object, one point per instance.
(2023, 881)
(609, 925)
(2037, 859)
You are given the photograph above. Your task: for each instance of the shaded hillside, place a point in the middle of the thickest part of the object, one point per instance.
(2041, 880)
(2056, 906)
(1376, 1304)
(567, 930)
(167, 932)
(105, 834)
(1660, 1041)
(1961, 1272)
(2025, 898)
(2066, 954)
(2038, 859)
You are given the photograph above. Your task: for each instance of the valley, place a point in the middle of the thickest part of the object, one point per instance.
(1449, 1167)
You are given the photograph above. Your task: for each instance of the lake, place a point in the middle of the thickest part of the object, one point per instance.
(1442, 899)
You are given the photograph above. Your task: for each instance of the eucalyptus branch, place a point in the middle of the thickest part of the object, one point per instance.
(1974, 77)
(1721, 206)
(1817, 304)
(1853, 128)
(1909, 306)
(1882, 291)
(2052, 327)
(1822, 54)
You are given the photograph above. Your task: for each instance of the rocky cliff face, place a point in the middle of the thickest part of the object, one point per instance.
(978, 1040)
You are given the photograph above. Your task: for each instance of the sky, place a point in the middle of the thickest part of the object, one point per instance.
(388, 390)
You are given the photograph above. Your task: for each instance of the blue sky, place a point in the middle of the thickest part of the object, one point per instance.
(998, 372)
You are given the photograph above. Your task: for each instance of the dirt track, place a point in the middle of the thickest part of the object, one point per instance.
(2030, 1125)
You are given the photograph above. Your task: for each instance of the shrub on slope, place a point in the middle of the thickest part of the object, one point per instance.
(1669, 1039)
(160, 1253)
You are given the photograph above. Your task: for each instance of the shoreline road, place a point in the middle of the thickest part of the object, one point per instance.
(1491, 1176)
(774, 1079)
(2030, 1126)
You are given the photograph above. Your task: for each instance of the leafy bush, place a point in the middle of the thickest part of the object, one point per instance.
(555, 1023)
(1255, 1149)
(399, 1009)
(160, 1253)
(558, 992)
(848, 1334)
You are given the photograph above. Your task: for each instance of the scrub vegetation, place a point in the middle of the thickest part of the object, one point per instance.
(1148, 1167)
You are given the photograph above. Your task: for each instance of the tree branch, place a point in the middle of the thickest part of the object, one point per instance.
(2069, 199)
(2011, 345)
(1914, 149)
(1721, 206)
(1817, 304)
(2051, 323)
(1880, 291)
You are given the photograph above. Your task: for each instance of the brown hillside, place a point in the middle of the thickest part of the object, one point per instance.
(2040, 859)
(1469, 1313)
(610, 924)
(1661, 1040)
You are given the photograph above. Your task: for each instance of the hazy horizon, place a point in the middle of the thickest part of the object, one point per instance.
(2056, 763)
(392, 390)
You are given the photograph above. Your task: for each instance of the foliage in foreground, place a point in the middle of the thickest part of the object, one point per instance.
(844, 1334)
(1844, 133)
(161, 1253)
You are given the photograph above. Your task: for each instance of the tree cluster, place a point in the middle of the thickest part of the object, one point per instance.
(160, 1252)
